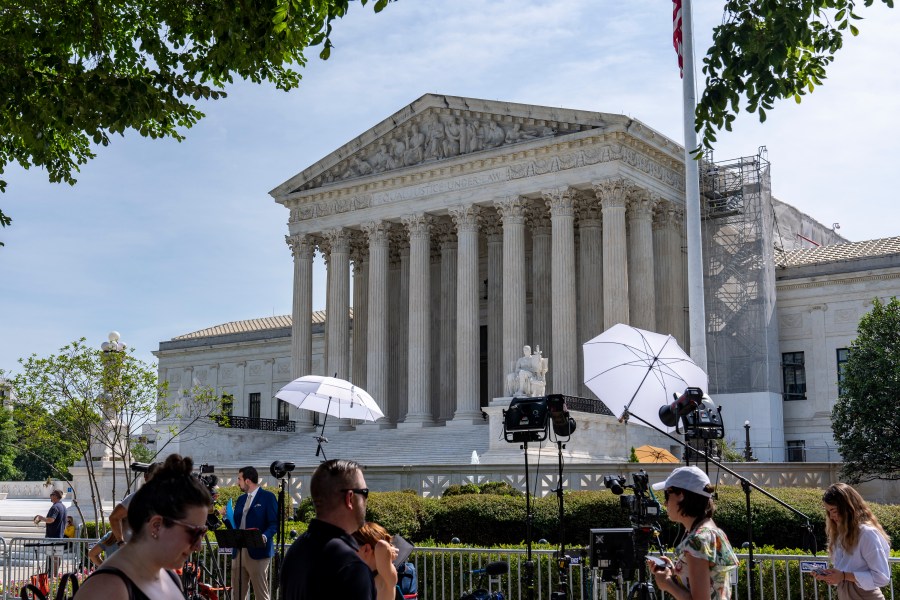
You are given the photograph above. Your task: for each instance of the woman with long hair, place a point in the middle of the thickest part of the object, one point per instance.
(704, 559)
(857, 546)
(376, 550)
(168, 521)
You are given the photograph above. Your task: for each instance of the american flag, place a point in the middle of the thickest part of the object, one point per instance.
(676, 33)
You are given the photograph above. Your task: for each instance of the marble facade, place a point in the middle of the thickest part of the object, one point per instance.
(457, 217)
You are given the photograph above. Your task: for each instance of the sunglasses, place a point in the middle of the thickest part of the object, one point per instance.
(364, 492)
(195, 532)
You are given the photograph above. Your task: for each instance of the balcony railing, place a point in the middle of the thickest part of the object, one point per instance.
(258, 424)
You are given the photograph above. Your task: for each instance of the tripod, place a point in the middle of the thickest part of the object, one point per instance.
(642, 589)
(279, 556)
(529, 523)
(562, 560)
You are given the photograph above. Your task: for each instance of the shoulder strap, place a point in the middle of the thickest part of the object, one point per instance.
(129, 585)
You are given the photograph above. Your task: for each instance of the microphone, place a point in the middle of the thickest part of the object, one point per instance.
(493, 569)
(687, 402)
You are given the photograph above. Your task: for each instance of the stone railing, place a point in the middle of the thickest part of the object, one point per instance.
(30, 489)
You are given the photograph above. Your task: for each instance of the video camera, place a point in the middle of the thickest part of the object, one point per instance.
(642, 506)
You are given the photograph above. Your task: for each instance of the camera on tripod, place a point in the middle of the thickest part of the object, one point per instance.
(642, 507)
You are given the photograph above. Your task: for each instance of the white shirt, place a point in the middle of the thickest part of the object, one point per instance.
(869, 560)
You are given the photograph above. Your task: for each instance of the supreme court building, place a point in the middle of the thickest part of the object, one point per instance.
(458, 230)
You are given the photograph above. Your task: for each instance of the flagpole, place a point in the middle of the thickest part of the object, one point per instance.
(697, 309)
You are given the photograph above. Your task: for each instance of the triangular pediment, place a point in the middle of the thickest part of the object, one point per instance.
(436, 128)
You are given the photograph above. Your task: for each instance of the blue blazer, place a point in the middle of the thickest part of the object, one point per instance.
(263, 515)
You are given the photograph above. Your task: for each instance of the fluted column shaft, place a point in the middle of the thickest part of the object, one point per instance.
(641, 293)
(468, 406)
(615, 255)
(302, 248)
(496, 368)
(590, 290)
(668, 267)
(541, 292)
(419, 348)
(378, 234)
(512, 215)
(360, 348)
(449, 324)
(564, 361)
(338, 304)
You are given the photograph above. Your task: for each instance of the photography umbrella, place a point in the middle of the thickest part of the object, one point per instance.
(330, 396)
(639, 370)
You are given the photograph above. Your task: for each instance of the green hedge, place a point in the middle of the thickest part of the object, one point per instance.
(490, 520)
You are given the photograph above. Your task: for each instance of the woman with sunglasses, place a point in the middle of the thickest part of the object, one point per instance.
(704, 559)
(168, 520)
(857, 546)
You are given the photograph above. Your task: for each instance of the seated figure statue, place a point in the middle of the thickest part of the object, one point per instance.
(527, 376)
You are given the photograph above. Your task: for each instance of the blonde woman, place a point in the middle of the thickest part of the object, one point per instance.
(857, 546)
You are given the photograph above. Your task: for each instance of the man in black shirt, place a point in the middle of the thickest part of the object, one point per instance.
(323, 562)
(55, 521)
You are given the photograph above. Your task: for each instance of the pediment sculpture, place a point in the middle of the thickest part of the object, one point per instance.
(435, 136)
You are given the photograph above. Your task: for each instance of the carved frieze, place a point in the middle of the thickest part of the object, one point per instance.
(437, 135)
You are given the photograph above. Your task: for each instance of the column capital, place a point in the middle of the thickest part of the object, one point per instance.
(359, 249)
(511, 209)
(560, 201)
(377, 232)
(588, 210)
(492, 226)
(301, 245)
(666, 214)
(444, 233)
(466, 217)
(337, 240)
(640, 203)
(612, 193)
(418, 225)
(539, 217)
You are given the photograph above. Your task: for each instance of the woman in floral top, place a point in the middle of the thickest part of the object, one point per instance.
(704, 559)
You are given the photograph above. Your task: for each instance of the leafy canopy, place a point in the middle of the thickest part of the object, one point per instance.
(866, 417)
(75, 72)
(768, 50)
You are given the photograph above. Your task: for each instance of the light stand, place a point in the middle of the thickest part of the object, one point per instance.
(746, 485)
(563, 426)
(280, 470)
(526, 420)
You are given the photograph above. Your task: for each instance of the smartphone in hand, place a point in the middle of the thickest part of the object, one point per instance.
(657, 561)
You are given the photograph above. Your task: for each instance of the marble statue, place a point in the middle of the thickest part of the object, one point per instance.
(527, 378)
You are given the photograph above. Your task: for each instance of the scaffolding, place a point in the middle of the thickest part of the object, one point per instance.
(738, 240)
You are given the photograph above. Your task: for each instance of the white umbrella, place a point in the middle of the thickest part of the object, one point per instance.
(331, 396)
(639, 370)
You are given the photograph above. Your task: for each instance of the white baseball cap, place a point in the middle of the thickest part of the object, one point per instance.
(692, 479)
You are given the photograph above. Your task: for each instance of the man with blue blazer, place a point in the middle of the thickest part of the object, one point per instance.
(255, 509)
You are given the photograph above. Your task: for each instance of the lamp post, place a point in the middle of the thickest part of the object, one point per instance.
(748, 451)
(113, 351)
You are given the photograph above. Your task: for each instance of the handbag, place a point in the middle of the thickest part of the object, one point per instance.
(848, 590)
(36, 593)
(41, 581)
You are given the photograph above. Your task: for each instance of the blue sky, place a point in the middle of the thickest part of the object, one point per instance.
(160, 238)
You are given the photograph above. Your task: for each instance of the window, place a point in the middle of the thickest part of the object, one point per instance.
(794, 373)
(253, 412)
(796, 451)
(842, 355)
(284, 412)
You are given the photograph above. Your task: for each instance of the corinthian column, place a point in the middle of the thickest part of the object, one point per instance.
(612, 194)
(419, 347)
(359, 256)
(338, 304)
(302, 248)
(378, 234)
(496, 368)
(590, 291)
(468, 406)
(641, 296)
(564, 361)
(512, 215)
(668, 267)
(448, 321)
(541, 295)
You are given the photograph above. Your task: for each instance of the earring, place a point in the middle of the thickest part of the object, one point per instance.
(155, 535)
